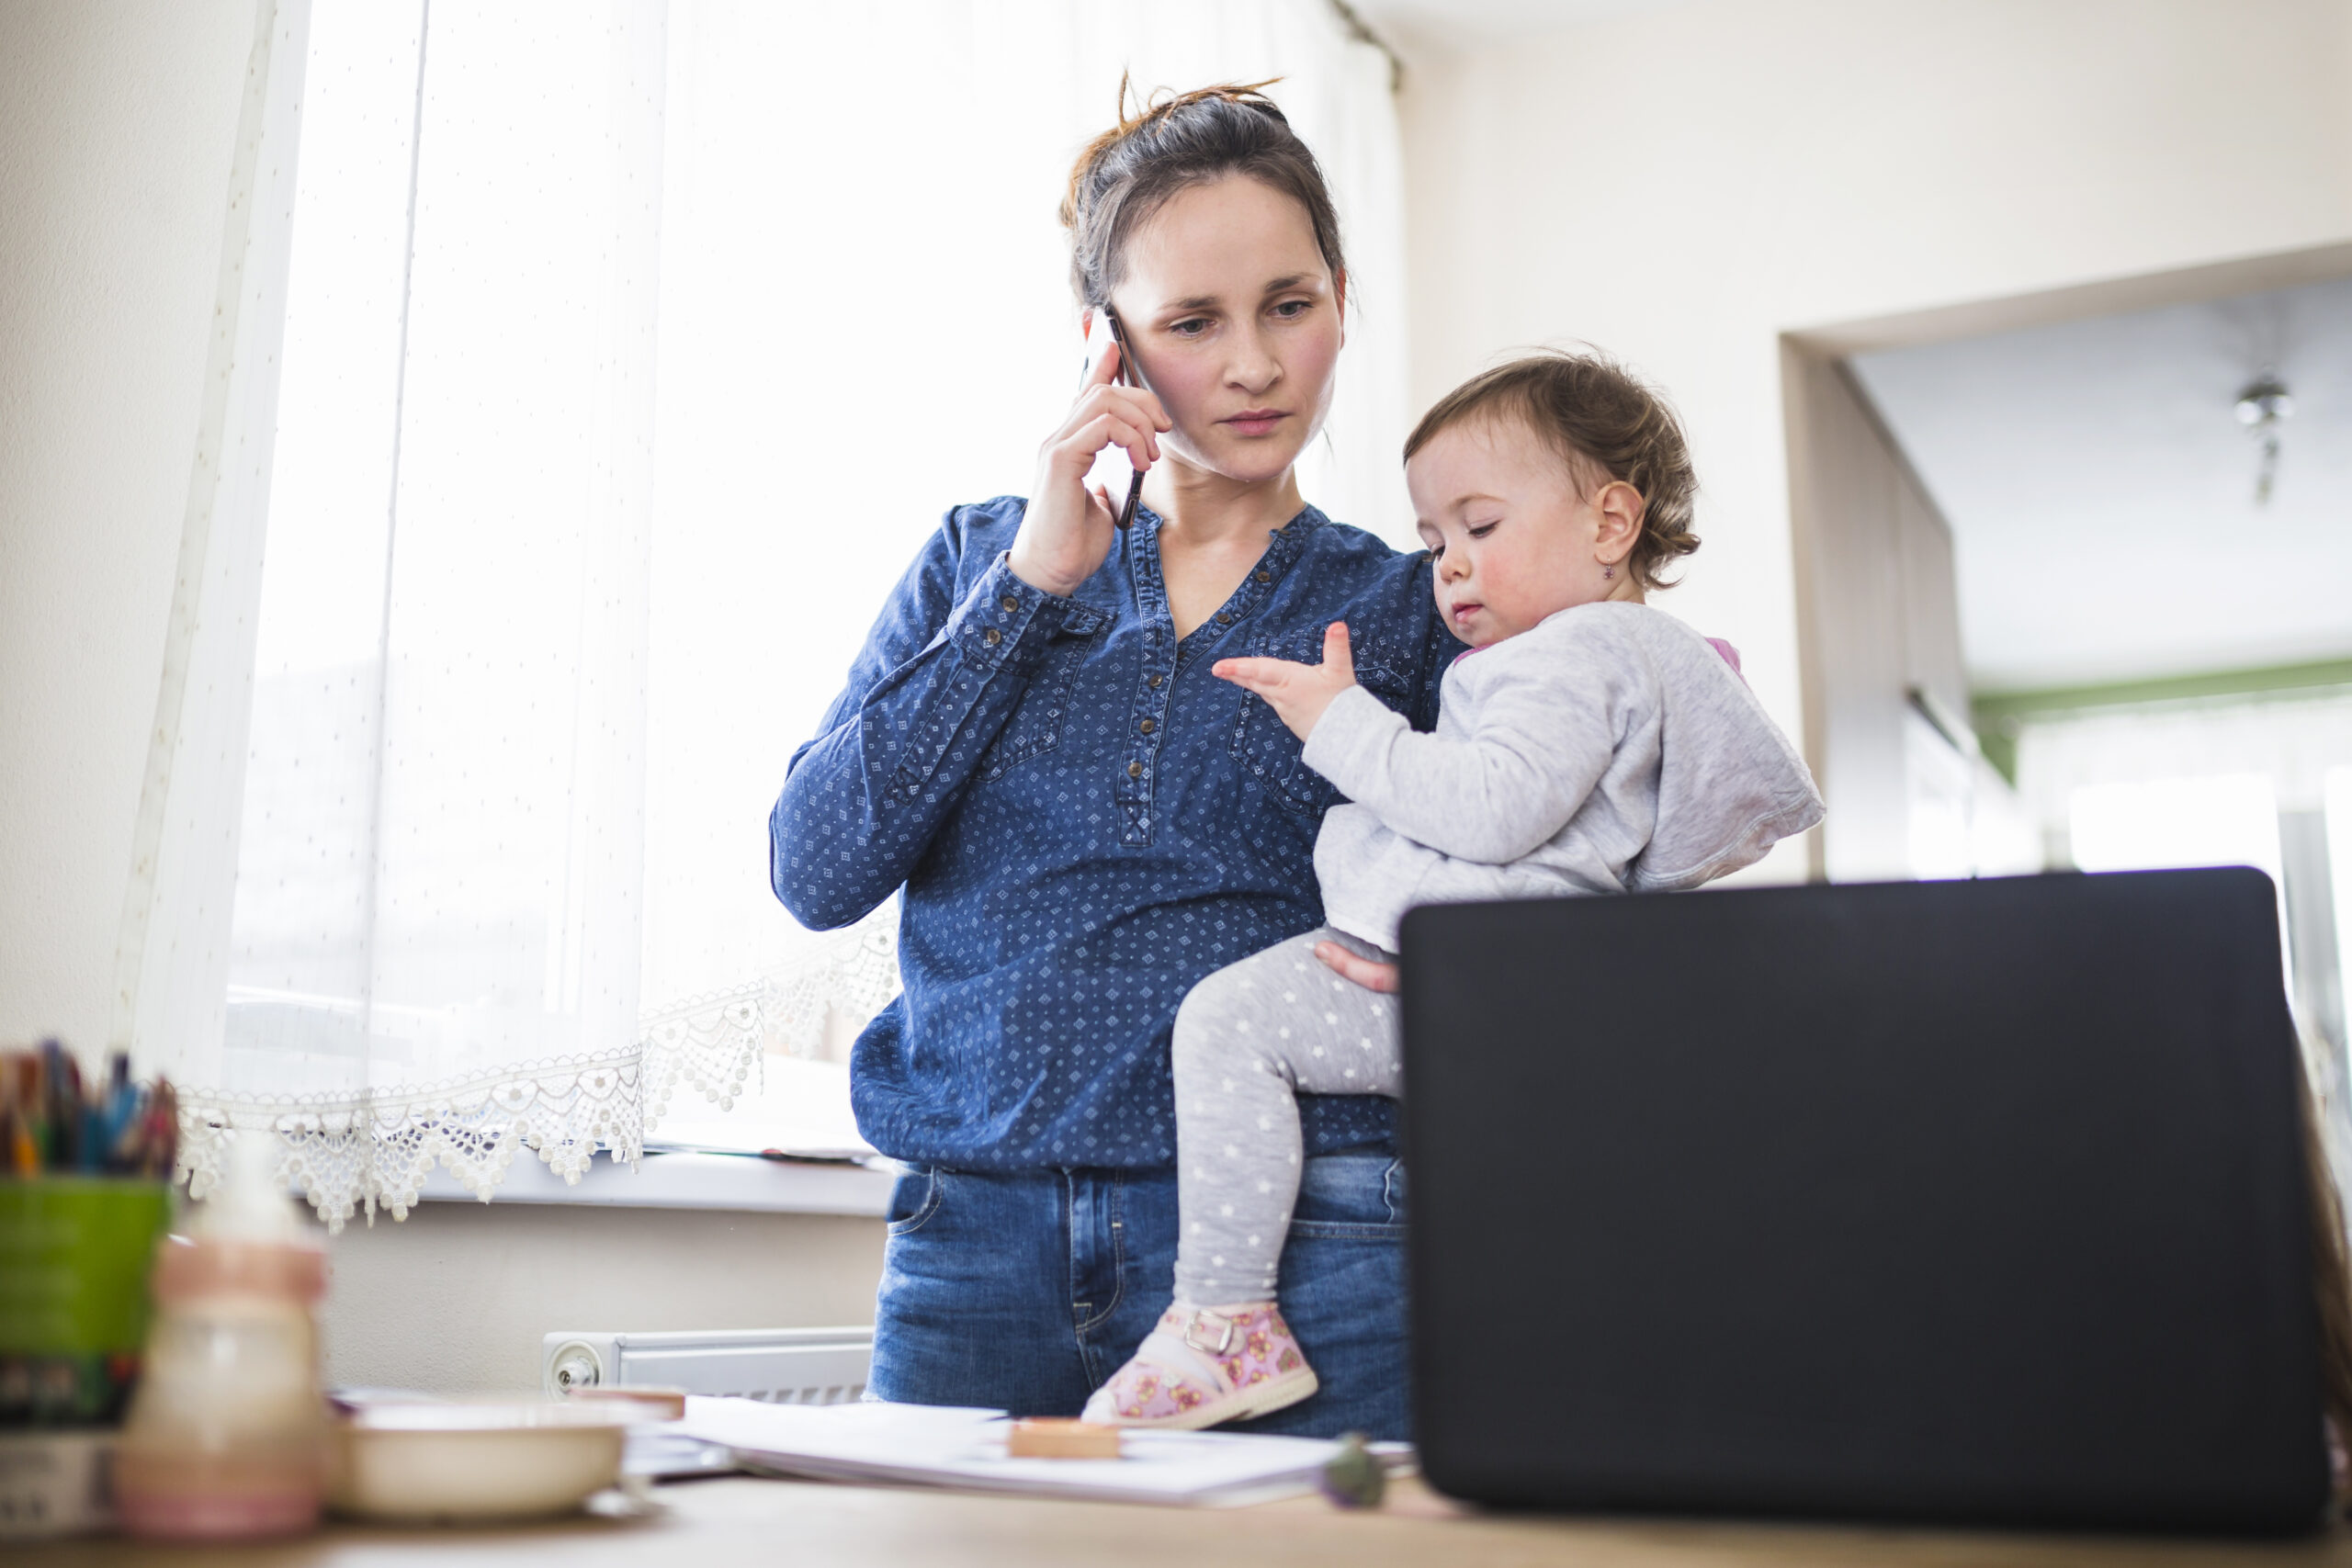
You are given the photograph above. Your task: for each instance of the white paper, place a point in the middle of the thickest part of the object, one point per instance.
(798, 1108)
(919, 1445)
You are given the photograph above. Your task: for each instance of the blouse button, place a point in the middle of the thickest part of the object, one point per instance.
(1147, 727)
(1155, 683)
(1135, 770)
(1263, 575)
(992, 636)
(1010, 604)
(1224, 618)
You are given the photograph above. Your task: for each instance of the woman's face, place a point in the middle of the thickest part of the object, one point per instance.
(1236, 322)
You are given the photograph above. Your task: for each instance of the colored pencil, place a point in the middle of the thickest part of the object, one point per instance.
(52, 1120)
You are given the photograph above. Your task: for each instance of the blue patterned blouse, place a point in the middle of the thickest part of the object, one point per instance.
(1085, 822)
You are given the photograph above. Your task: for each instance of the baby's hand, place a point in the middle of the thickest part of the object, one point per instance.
(1297, 693)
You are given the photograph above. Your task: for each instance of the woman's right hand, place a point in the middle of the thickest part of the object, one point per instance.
(1069, 528)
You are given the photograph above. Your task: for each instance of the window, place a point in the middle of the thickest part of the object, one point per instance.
(2256, 780)
(2230, 819)
(621, 358)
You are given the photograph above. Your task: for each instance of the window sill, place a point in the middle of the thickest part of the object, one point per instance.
(690, 1181)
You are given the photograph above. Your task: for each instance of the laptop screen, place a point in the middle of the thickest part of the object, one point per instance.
(1963, 1201)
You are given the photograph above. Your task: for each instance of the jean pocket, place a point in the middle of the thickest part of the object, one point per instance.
(1350, 1197)
(914, 1198)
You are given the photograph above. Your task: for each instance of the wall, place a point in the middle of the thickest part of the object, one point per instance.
(1682, 185)
(456, 1296)
(115, 123)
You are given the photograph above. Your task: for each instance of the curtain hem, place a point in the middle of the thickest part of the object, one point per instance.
(359, 1151)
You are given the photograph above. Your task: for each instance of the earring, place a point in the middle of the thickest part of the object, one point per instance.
(1608, 572)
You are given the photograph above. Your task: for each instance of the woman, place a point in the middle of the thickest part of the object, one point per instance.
(1085, 822)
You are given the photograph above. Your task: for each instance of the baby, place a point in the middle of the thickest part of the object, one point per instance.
(1585, 744)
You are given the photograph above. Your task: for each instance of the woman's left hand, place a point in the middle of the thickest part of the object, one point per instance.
(1369, 973)
(1297, 693)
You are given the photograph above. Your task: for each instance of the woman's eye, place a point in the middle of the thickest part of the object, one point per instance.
(1291, 310)
(1193, 328)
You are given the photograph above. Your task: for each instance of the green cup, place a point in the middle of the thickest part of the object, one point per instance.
(75, 1252)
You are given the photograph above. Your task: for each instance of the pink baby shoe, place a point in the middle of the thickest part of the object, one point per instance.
(1200, 1367)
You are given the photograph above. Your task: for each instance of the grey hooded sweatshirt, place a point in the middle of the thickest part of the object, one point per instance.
(1610, 749)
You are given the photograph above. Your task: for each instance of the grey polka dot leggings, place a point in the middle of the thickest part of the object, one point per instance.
(1248, 1040)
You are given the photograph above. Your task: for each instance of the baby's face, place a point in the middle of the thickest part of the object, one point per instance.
(1514, 539)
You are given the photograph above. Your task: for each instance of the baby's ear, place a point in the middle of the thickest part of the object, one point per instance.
(1621, 508)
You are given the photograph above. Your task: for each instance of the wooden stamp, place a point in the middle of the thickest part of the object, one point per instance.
(1044, 1439)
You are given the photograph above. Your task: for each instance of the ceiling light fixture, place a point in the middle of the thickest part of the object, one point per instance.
(2264, 404)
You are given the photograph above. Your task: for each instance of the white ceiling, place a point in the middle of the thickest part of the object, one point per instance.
(1453, 25)
(2100, 488)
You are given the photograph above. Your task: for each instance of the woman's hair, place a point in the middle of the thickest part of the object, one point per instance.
(2331, 1277)
(1605, 423)
(1176, 142)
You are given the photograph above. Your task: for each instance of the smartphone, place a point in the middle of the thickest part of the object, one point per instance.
(1112, 467)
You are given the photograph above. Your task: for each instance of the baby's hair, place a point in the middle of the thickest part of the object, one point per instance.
(1601, 418)
(1175, 141)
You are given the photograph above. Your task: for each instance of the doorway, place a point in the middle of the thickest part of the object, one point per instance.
(2074, 591)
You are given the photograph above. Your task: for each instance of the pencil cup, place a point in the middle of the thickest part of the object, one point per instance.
(74, 1251)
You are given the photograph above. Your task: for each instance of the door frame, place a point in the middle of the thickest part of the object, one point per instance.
(1810, 352)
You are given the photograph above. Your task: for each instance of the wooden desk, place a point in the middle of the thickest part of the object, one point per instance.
(782, 1524)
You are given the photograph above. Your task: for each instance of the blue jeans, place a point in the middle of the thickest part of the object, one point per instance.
(1025, 1291)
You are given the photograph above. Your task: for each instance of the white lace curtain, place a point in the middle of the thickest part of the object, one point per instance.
(616, 357)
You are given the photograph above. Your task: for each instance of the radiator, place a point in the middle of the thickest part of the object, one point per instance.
(783, 1366)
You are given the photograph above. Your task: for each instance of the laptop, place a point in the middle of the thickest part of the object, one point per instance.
(1972, 1203)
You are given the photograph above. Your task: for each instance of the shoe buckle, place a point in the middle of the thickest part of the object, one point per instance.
(1224, 1333)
